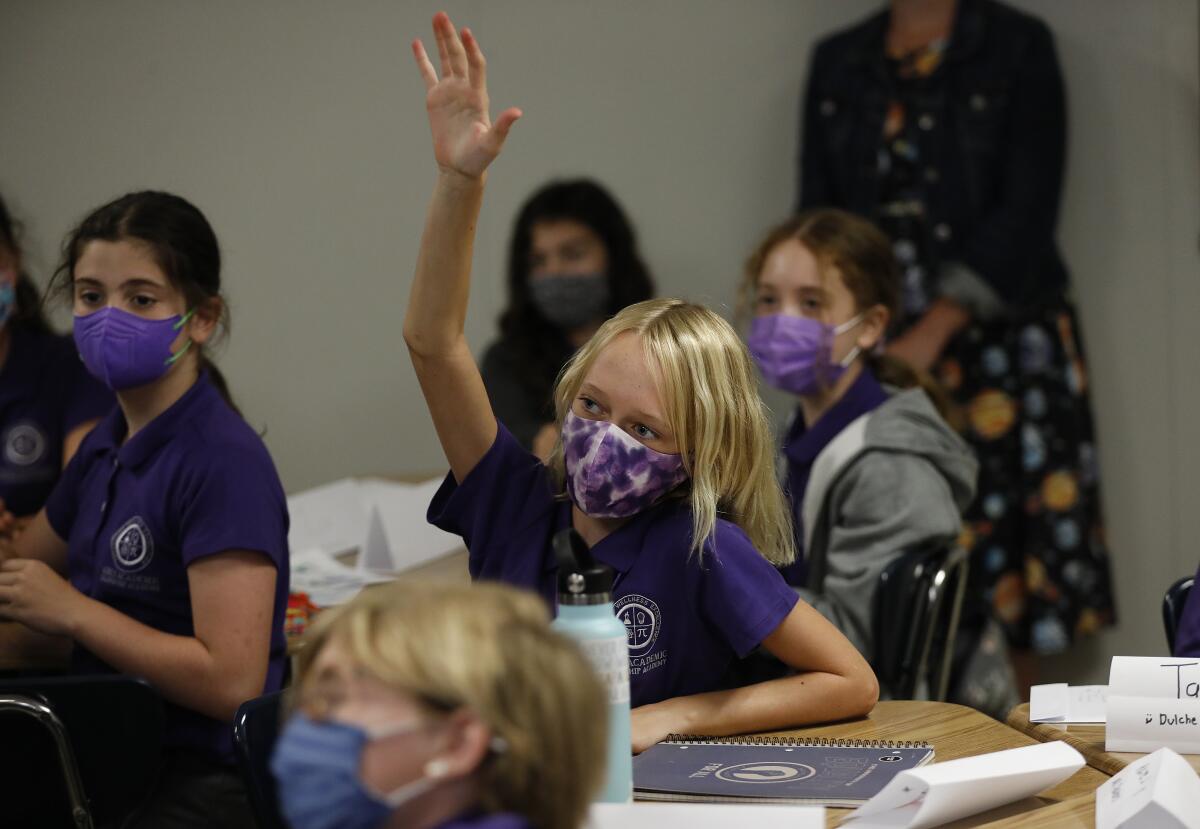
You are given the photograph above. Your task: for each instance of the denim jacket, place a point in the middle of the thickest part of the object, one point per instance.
(993, 131)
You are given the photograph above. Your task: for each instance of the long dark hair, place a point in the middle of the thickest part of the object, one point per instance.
(179, 237)
(531, 337)
(28, 313)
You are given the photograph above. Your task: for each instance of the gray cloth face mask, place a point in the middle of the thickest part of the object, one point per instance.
(570, 300)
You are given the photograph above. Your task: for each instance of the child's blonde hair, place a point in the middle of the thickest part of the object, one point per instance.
(488, 648)
(710, 390)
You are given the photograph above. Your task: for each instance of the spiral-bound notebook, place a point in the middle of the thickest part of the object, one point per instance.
(771, 769)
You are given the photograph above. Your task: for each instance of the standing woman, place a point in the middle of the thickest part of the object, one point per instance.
(573, 262)
(162, 552)
(944, 122)
(48, 401)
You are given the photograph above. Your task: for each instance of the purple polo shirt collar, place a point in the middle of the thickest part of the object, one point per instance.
(141, 447)
(619, 549)
(803, 444)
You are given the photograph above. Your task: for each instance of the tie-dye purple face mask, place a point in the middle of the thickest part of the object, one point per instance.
(610, 474)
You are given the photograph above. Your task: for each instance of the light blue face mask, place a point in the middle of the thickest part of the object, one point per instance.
(8, 300)
(316, 764)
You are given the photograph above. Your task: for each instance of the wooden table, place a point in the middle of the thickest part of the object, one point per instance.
(1086, 738)
(956, 731)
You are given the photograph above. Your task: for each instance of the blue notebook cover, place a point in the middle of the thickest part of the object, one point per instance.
(830, 772)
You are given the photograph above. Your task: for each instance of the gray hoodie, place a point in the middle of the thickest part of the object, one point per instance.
(895, 479)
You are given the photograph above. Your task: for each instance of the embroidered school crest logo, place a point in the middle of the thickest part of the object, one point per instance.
(766, 772)
(24, 445)
(642, 620)
(132, 545)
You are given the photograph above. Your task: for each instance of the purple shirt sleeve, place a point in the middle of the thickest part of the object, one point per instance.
(508, 488)
(232, 500)
(742, 593)
(1187, 637)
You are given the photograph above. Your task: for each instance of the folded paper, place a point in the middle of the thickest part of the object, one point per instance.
(1159, 791)
(1149, 723)
(936, 794)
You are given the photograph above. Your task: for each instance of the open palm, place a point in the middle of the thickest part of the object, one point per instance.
(465, 140)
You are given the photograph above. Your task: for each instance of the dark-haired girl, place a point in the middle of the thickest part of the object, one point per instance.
(48, 401)
(572, 263)
(162, 552)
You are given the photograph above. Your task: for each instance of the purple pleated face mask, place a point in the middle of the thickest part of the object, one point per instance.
(124, 351)
(610, 474)
(793, 352)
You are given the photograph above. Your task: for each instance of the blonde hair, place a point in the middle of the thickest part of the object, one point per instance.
(710, 391)
(489, 648)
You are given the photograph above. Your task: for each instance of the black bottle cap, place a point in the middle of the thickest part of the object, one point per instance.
(581, 579)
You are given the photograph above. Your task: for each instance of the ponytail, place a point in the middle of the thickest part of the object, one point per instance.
(892, 371)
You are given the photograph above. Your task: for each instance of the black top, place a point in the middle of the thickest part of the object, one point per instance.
(992, 134)
(520, 388)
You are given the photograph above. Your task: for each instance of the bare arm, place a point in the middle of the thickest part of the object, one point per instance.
(834, 683)
(465, 142)
(213, 672)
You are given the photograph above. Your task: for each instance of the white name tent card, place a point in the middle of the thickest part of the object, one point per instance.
(1150, 723)
(383, 520)
(703, 816)
(937, 794)
(330, 517)
(1154, 676)
(1159, 791)
(410, 539)
(1064, 703)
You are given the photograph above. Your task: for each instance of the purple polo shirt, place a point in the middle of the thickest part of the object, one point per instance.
(802, 445)
(195, 481)
(1187, 636)
(45, 393)
(687, 619)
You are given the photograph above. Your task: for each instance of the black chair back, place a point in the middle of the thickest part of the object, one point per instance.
(1172, 609)
(255, 729)
(917, 606)
(110, 728)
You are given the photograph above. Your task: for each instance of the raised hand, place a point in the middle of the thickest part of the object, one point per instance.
(465, 140)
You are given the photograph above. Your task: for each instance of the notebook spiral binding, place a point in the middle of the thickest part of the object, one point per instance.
(796, 742)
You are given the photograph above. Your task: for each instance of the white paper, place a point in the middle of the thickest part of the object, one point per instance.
(331, 517)
(410, 539)
(1149, 723)
(704, 816)
(1154, 676)
(1159, 791)
(936, 794)
(1062, 703)
(383, 520)
(327, 581)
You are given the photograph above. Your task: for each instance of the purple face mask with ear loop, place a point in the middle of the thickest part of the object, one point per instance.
(123, 350)
(610, 474)
(794, 353)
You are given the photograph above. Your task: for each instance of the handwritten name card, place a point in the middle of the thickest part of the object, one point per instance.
(1159, 791)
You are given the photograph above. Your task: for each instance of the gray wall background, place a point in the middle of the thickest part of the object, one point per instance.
(298, 127)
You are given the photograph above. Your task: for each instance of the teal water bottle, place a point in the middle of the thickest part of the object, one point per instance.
(585, 613)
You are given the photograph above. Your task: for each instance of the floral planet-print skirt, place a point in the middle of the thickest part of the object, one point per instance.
(1035, 530)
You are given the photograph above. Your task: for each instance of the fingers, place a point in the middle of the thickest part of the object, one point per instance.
(450, 47)
(475, 61)
(424, 66)
(502, 125)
